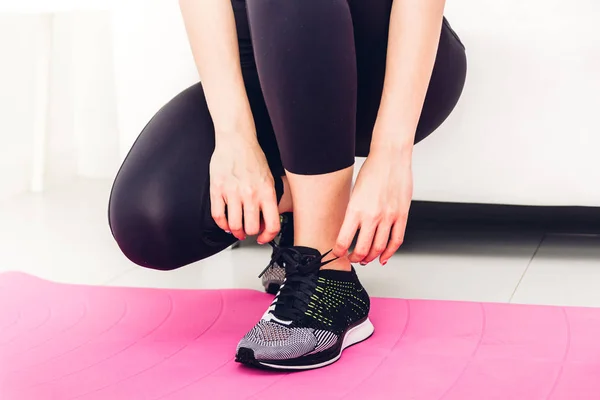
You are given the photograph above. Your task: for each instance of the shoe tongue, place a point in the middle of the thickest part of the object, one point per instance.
(307, 252)
(303, 256)
(300, 263)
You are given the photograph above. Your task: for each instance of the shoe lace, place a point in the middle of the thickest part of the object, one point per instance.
(301, 275)
(276, 245)
(276, 257)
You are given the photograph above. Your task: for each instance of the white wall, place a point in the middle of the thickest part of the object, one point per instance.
(81, 129)
(526, 129)
(94, 89)
(16, 100)
(524, 132)
(153, 62)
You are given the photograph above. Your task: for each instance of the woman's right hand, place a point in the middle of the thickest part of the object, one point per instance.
(241, 188)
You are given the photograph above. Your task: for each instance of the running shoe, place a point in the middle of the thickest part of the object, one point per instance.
(314, 317)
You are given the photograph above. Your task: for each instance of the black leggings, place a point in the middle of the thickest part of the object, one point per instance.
(314, 72)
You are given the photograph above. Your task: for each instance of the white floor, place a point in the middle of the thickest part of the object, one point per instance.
(63, 236)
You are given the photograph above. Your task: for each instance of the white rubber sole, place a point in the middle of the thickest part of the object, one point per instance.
(355, 335)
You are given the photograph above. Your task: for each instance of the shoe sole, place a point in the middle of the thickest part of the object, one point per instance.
(354, 335)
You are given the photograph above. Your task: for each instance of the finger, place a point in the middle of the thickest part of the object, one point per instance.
(234, 216)
(363, 244)
(217, 210)
(396, 239)
(346, 235)
(382, 237)
(251, 217)
(270, 214)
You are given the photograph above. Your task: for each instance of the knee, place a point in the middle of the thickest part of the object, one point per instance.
(138, 226)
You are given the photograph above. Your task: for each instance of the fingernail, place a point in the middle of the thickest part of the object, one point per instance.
(259, 242)
(383, 263)
(363, 263)
(228, 232)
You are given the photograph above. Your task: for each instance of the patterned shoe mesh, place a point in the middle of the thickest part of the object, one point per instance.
(272, 341)
(274, 274)
(335, 299)
(271, 332)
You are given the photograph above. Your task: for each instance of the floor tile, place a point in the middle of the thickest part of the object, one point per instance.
(564, 271)
(237, 268)
(434, 265)
(454, 265)
(62, 235)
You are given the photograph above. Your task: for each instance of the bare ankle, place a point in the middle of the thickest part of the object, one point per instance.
(286, 203)
(340, 264)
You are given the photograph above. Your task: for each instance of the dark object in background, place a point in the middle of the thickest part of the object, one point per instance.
(550, 219)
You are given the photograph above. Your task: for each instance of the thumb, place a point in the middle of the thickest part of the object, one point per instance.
(344, 240)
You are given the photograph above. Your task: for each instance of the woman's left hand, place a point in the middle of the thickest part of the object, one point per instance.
(378, 207)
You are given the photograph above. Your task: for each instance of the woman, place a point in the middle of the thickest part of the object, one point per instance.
(291, 92)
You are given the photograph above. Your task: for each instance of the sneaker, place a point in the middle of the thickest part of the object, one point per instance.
(273, 276)
(314, 317)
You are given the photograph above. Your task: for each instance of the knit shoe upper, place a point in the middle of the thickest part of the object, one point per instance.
(313, 312)
(273, 275)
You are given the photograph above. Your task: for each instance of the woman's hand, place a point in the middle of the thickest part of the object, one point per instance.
(241, 187)
(378, 207)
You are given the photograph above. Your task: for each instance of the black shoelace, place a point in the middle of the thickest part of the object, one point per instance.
(301, 274)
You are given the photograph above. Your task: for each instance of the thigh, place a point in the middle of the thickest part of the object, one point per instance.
(262, 120)
(305, 58)
(371, 28)
(446, 83)
(159, 209)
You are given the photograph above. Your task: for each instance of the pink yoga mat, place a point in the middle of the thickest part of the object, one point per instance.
(79, 342)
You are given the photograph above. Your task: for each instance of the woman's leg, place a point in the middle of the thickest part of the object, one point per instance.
(159, 209)
(159, 205)
(322, 67)
(305, 58)
(371, 26)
